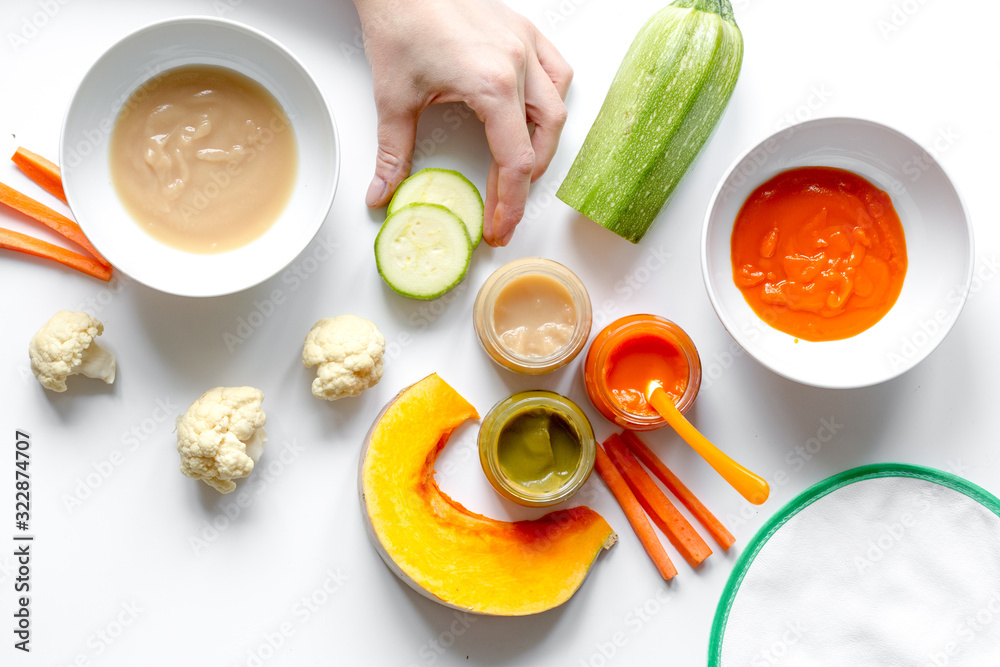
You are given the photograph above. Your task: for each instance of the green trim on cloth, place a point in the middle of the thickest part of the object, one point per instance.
(807, 498)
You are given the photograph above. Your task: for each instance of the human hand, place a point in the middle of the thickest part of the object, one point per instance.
(483, 54)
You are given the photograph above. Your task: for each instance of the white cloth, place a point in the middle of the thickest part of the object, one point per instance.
(893, 571)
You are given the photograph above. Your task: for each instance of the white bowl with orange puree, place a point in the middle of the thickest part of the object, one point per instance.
(821, 282)
(199, 156)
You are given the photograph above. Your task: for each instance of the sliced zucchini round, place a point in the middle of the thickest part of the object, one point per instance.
(448, 188)
(422, 250)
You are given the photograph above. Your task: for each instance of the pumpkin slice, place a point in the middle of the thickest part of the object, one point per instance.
(447, 553)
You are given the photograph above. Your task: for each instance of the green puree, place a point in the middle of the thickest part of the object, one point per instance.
(538, 450)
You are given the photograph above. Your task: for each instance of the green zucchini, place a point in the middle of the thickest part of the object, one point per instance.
(663, 105)
(423, 250)
(449, 189)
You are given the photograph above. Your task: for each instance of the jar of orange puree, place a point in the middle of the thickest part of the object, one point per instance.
(630, 352)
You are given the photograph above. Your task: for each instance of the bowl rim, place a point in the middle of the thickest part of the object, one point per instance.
(325, 110)
(729, 323)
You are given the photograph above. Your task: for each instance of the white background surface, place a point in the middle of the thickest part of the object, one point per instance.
(129, 550)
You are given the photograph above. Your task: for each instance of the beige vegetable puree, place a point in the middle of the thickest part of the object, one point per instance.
(203, 158)
(534, 315)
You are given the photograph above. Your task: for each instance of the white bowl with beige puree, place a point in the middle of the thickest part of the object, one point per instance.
(131, 67)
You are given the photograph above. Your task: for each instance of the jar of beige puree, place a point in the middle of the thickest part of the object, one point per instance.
(533, 315)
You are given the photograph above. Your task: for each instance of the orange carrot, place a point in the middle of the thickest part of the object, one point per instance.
(688, 499)
(44, 172)
(48, 217)
(659, 508)
(633, 512)
(28, 244)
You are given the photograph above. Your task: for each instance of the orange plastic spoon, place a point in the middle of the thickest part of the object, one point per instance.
(752, 487)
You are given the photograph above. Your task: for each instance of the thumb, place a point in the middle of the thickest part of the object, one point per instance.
(397, 132)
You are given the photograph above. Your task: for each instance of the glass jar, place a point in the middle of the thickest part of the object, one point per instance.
(495, 434)
(614, 340)
(540, 284)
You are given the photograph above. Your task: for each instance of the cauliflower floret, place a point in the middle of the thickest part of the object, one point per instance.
(349, 352)
(221, 436)
(65, 346)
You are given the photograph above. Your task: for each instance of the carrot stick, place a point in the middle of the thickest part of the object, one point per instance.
(633, 512)
(44, 172)
(48, 217)
(688, 499)
(659, 508)
(28, 244)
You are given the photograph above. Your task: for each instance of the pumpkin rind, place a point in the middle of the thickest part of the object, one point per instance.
(444, 551)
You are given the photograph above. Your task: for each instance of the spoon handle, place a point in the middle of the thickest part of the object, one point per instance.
(749, 485)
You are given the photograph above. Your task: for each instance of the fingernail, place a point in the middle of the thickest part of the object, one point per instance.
(376, 192)
(507, 237)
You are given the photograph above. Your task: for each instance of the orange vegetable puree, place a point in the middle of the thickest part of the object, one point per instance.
(819, 253)
(637, 361)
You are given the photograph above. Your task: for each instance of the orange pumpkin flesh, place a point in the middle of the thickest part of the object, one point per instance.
(444, 551)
